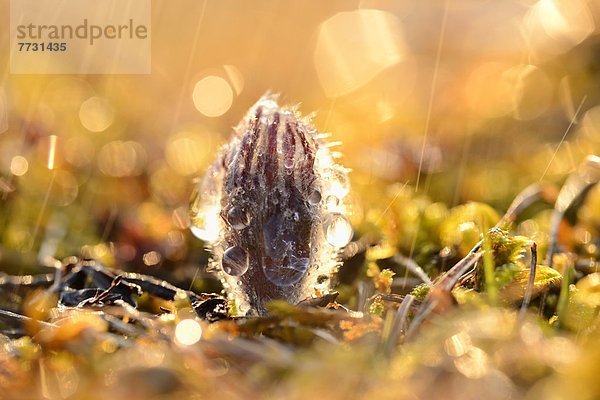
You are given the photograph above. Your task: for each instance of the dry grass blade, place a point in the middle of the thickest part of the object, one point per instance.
(524, 199)
(440, 293)
(413, 267)
(398, 325)
(17, 320)
(531, 281)
(574, 190)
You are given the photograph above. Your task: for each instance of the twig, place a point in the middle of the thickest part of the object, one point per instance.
(16, 320)
(26, 280)
(531, 282)
(398, 325)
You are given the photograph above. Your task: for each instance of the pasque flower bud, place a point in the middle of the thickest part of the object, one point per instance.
(271, 210)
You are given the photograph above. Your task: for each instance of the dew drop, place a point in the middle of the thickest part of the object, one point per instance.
(337, 182)
(287, 272)
(288, 163)
(235, 261)
(238, 218)
(196, 202)
(338, 230)
(332, 201)
(205, 225)
(314, 197)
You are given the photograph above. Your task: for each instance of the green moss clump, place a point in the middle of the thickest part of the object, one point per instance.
(420, 291)
(508, 249)
(377, 308)
(506, 274)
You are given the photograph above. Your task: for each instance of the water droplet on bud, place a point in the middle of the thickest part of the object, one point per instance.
(337, 182)
(338, 230)
(314, 197)
(205, 225)
(196, 202)
(235, 261)
(332, 201)
(238, 218)
(288, 163)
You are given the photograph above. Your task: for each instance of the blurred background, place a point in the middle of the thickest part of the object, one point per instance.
(460, 100)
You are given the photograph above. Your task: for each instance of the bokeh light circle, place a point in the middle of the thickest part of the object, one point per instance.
(212, 96)
(188, 332)
(122, 158)
(187, 152)
(19, 166)
(96, 114)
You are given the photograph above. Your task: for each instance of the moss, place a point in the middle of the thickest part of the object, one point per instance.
(503, 260)
(505, 274)
(382, 279)
(421, 291)
(232, 307)
(508, 249)
(377, 308)
(545, 279)
(584, 303)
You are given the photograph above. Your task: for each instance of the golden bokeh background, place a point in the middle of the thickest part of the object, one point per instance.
(476, 95)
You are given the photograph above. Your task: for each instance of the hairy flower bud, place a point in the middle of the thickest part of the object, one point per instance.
(271, 210)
